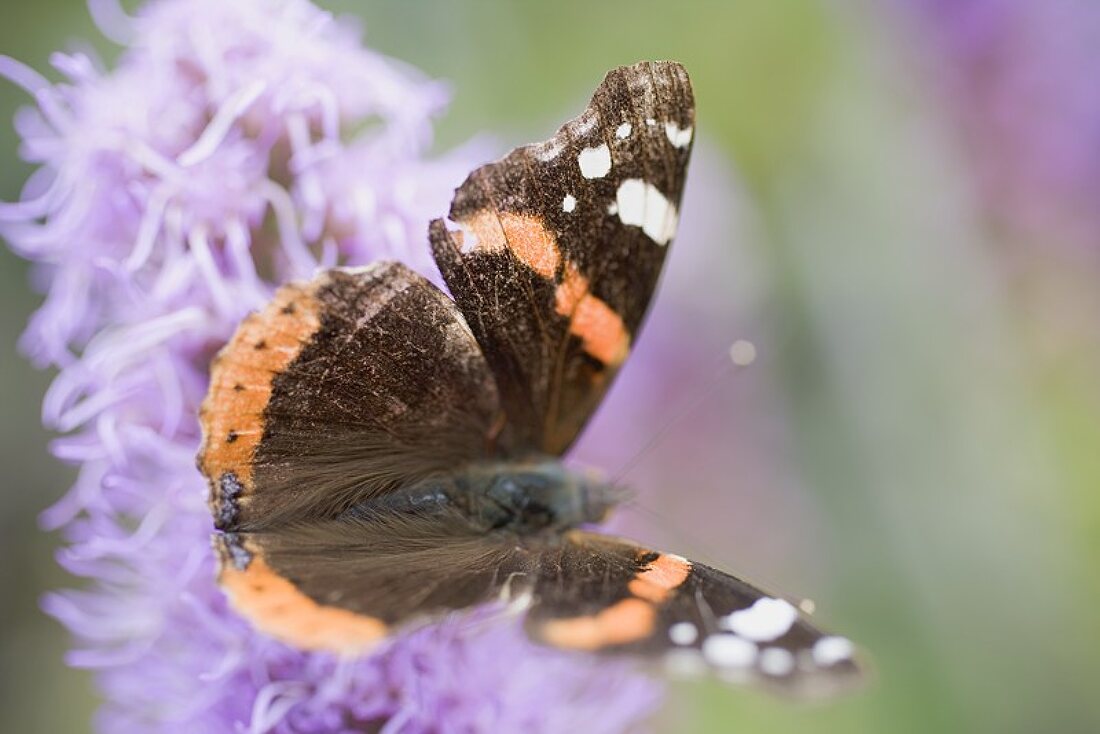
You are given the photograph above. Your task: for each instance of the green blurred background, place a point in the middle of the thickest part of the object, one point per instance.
(940, 374)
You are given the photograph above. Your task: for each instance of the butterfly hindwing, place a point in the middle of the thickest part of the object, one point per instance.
(343, 388)
(344, 584)
(553, 252)
(602, 594)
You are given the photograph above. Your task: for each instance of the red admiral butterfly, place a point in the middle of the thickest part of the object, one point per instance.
(379, 453)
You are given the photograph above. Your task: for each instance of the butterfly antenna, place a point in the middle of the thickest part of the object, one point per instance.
(740, 355)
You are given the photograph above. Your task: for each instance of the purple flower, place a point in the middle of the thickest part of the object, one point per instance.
(173, 193)
(700, 443)
(1022, 78)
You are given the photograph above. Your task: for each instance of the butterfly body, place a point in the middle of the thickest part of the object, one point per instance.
(523, 498)
(381, 453)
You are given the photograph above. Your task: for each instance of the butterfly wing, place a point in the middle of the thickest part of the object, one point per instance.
(345, 583)
(555, 250)
(602, 594)
(341, 389)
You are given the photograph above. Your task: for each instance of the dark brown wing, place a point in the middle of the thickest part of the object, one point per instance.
(340, 389)
(553, 252)
(603, 594)
(344, 584)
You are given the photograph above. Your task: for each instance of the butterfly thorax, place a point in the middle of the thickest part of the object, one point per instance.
(528, 497)
(522, 497)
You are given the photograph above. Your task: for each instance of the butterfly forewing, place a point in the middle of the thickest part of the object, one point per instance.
(553, 252)
(341, 389)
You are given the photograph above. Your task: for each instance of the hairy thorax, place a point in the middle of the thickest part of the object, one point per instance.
(522, 497)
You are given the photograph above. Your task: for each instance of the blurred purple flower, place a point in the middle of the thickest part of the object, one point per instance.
(700, 443)
(1022, 78)
(173, 193)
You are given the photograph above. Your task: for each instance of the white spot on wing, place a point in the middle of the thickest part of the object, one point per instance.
(650, 121)
(683, 633)
(679, 138)
(613, 208)
(832, 650)
(765, 620)
(776, 661)
(623, 131)
(595, 162)
(729, 651)
(569, 203)
(640, 204)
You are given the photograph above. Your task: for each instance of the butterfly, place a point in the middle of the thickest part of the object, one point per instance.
(381, 453)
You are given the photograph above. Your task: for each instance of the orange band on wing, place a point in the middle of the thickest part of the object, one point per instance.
(626, 621)
(240, 384)
(525, 235)
(571, 290)
(601, 330)
(276, 607)
(660, 578)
